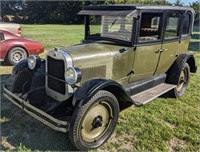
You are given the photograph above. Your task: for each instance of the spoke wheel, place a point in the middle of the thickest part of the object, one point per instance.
(93, 123)
(183, 81)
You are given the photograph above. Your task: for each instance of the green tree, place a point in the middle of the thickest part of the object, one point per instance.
(178, 3)
(196, 7)
(156, 2)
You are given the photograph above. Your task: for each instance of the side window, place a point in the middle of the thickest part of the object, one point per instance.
(172, 27)
(186, 24)
(1, 37)
(150, 27)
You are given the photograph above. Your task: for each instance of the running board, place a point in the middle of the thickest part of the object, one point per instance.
(150, 94)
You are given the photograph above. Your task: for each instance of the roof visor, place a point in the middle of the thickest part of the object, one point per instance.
(131, 13)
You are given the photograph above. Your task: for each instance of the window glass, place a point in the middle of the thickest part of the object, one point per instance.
(150, 27)
(186, 24)
(1, 37)
(95, 25)
(114, 27)
(117, 27)
(172, 26)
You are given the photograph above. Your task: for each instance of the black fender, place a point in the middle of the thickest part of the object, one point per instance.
(37, 75)
(84, 93)
(174, 71)
(22, 65)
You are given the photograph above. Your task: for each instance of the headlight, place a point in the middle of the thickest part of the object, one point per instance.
(34, 62)
(72, 75)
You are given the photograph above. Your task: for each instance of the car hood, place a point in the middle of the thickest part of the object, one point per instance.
(90, 54)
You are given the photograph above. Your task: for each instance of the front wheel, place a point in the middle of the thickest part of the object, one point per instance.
(93, 123)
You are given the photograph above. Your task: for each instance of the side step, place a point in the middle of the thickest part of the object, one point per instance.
(150, 94)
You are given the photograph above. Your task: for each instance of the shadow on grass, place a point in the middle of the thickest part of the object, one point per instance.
(3, 63)
(196, 36)
(194, 46)
(196, 29)
(24, 132)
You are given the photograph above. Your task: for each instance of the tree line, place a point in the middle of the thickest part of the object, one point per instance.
(64, 12)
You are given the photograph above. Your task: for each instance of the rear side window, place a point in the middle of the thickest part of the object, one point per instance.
(1, 37)
(150, 27)
(172, 27)
(186, 24)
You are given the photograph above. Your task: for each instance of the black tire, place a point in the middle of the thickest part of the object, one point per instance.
(182, 82)
(22, 82)
(16, 54)
(94, 122)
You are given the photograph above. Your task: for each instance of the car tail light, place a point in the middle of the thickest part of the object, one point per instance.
(19, 31)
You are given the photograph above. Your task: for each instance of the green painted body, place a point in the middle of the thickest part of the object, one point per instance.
(104, 60)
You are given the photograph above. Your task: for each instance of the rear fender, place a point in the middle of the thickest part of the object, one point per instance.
(91, 87)
(174, 71)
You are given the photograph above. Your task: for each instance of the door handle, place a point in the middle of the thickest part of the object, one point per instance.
(161, 50)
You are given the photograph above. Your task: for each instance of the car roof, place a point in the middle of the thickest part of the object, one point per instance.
(127, 9)
(8, 33)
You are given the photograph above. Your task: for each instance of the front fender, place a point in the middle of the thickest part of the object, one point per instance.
(84, 93)
(20, 66)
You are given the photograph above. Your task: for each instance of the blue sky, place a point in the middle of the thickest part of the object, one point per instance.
(186, 2)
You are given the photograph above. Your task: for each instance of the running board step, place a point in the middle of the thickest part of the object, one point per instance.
(150, 94)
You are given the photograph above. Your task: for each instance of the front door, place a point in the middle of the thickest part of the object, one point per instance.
(148, 46)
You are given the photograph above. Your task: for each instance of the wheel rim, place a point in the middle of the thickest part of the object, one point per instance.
(182, 80)
(17, 56)
(96, 121)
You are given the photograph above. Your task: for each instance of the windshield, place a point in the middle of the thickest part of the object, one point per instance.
(113, 27)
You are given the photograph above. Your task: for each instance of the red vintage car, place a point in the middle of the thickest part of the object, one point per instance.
(14, 48)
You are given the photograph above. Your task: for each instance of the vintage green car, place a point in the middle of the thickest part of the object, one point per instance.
(131, 54)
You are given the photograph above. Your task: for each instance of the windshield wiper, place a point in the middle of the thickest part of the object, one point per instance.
(113, 23)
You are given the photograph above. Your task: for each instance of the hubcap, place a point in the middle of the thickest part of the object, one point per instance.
(17, 56)
(182, 80)
(96, 121)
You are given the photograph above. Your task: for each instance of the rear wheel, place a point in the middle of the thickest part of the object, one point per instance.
(183, 80)
(16, 54)
(93, 123)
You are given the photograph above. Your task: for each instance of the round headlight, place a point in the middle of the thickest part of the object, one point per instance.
(72, 75)
(33, 61)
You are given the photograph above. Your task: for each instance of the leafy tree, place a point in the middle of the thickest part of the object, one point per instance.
(196, 7)
(178, 3)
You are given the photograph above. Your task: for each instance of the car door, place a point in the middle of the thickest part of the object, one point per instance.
(171, 41)
(148, 45)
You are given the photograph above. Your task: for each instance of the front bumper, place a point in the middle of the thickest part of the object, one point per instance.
(54, 123)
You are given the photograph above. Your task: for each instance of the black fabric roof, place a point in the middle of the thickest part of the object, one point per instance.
(124, 10)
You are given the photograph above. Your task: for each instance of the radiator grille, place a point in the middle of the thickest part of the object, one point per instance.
(55, 68)
(92, 72)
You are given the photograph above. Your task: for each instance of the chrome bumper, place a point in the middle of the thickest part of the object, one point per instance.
(54, 123)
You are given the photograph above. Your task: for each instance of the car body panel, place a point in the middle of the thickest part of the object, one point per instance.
(167, 56)
(10, 41)
(100, 54)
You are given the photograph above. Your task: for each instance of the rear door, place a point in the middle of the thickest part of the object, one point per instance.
(171, 41)
(148, 39)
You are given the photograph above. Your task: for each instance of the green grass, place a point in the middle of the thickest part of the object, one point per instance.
(54, 35)
(162, 125)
